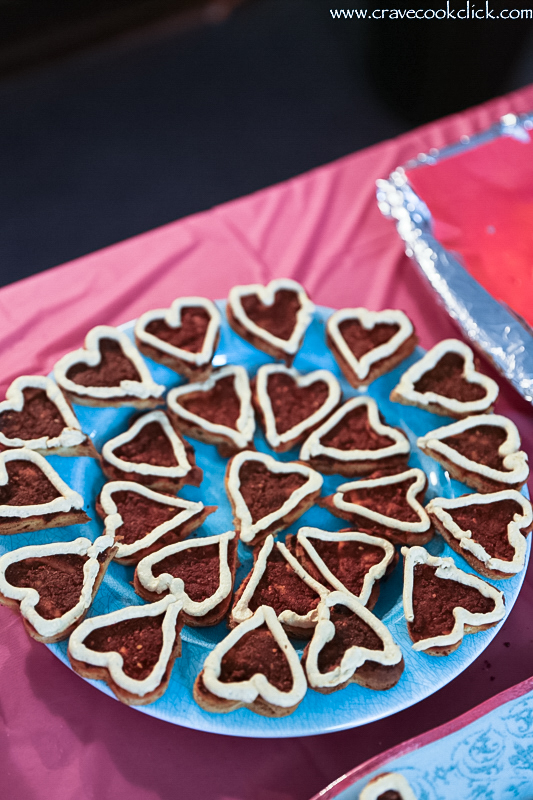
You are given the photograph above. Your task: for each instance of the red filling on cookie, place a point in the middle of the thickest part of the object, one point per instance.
(282, 589)
(113, 368)
(27, 485)
(139, 642)
(291, 404)
(349, 561)
(389, 500)
(198, 567)
(350, 631)
(360, 340)
(257, 651)
(150, 446)
(446, 378)
(488, 523)
(264, 491)
(220, 405)
(434, 600)
(140, 515)
(38, 417)
(354, 432)
(189, 335)
(480, 444)
(279, 319)
(58, 580)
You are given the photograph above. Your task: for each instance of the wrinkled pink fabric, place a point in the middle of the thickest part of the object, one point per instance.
(62, 738)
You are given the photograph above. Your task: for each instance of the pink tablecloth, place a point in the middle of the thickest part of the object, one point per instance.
(63, 738)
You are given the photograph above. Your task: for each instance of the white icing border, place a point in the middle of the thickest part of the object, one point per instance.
(29, 598)
(369, 483)
(172, 317)
(242, 611)
(387, 782)
(376, 571)
(90, 355)
(406, 386)
(439, 507)
(166, 582)
(242, 436)
(258, 684)
(69, 498)
(514, 460)
(180, 470)
(354, 657)
(369, 319)
(112, 660)
(447, 570)
(70, 436)
(274, 438)
(249, 530)
(313, 448)
(113, 519)
(266, 295)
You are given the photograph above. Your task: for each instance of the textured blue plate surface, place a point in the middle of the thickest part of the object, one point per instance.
(317, 713)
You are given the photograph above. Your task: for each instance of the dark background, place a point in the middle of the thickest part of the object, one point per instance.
(117, 116)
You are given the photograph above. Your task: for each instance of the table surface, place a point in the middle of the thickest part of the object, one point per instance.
(323, 228)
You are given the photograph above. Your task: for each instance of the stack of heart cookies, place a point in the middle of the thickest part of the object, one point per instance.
(313, 586)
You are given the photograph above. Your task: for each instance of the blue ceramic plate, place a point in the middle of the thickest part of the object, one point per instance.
(318, 713)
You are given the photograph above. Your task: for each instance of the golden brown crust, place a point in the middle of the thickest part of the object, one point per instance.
(434, 408)
(472, 479)
(371, 675)
(134, 402)
(219, 705)
(351, 469)
(189, 371)
(225, 445)
(377, 369)
(41, 522)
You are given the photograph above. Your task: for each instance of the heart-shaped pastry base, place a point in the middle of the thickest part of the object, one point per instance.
(389, 785)
(132, 649)
(350, 645)
(481, 451)
(445, 381)
(273, 318)
(183, 337)
(387, 506)
(201, 572)
(268, 495)
(142, 521)
(108, 371)
(367, 344)
(442, 603)
(291, 405)
(488, 530)
(355, 441)
(255, 667)
(218, 411)
(53, 585)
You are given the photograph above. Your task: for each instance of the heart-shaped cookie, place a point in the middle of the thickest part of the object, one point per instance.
(151, 452)
(355, 441)
(278, 580)
(389, 506)
(350, 645)
(107, 371)
(255, 666)
(268, 495)
(481, 451)
(183, 337)
(388, 786)
(218, 411)
(441, 602)
(367, 344)
(36, 415)
(290, 405)
(445, 381)
(33, 496)
(346, 561)
(488, 530)
(273, 318)
(53, 585)
(201, 572)
(142, 521)
(132, 649)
